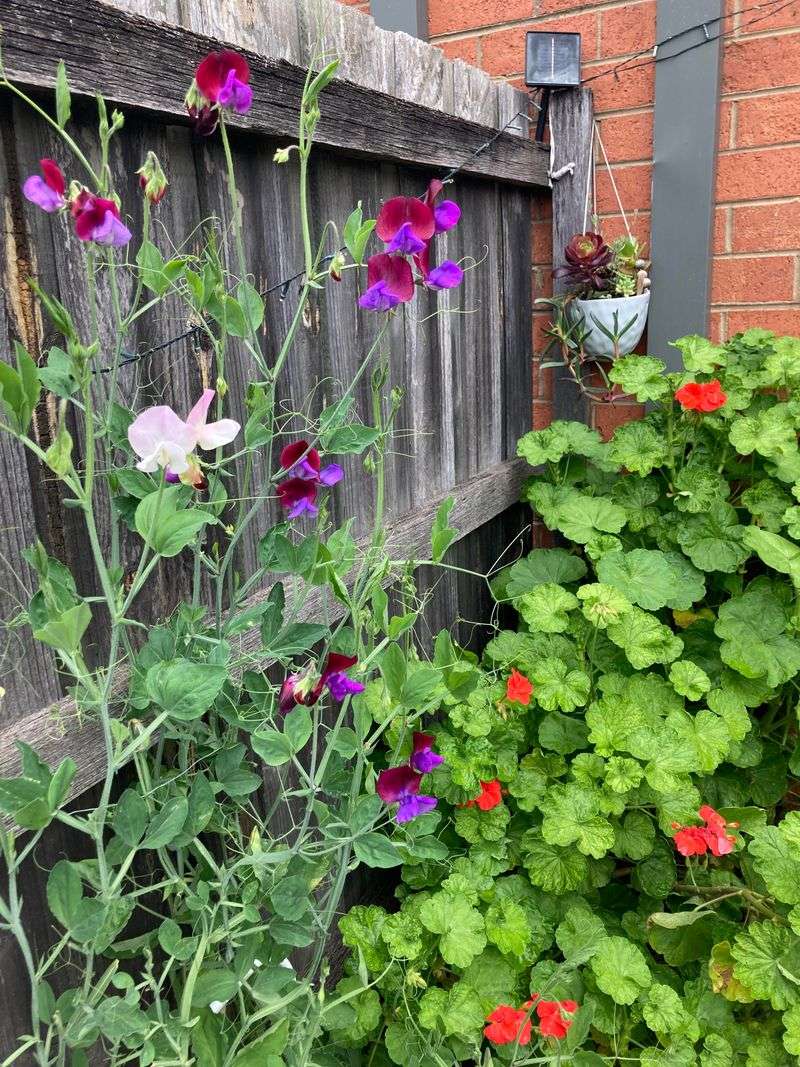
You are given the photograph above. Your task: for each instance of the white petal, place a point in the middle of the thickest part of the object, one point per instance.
(217, 433)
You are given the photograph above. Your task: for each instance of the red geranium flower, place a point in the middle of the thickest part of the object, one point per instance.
(701, 396)
(507, 1024)
(552, 1022)
(489, 797)
(518, 688)
(690, 840)
(713, 837)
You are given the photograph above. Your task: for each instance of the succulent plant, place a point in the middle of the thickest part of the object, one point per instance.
(588, 258)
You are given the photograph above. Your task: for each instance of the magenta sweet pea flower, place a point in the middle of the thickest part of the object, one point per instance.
(405, 212)
(400, 785)
(223, 78)
(97, 220)
(301, 461)
(423, 758)
(406, 241)
(298, 688)
(390, 282)
(46, 190)
(299, 497)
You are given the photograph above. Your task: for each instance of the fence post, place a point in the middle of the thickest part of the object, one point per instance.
(571, 118)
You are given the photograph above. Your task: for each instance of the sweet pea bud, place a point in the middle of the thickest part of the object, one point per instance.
(336, 267)
(281, 155)
(152, 179)
(369, 463)
(255, 841)
(415, 979)
(222, 388)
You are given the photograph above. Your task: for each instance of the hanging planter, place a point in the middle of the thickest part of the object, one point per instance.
(608, 307)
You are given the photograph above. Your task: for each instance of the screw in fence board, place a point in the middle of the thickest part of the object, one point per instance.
(571, 118)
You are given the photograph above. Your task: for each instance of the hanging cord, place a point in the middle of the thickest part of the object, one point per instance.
(613, 182)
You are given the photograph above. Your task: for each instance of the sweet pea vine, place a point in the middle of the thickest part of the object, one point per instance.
(612, 871)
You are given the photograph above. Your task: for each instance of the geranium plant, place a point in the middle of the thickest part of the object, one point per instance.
(174, 932)
(613, 867)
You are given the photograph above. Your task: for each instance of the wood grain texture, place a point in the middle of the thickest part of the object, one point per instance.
(571, 117)
(89, 36)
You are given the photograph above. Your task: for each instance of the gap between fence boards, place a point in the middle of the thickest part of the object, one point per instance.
(56, 733)
(104, 50)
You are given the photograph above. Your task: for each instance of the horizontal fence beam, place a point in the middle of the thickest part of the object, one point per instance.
(56, 732)
(135, 62)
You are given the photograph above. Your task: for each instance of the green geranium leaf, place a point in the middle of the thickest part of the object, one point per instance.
(768, 502)
(645, 577)
(776, 852)
(560, 439)
(698, 487)
(640, 376)
(770, 433)
(663, 1011)
(700, 356)
(644, 639)
(555, 686)
(545, 609)
(714, 540)
(621, 970)
(577, 515)
(754, 642)
(603, 604)
(554, 869)
(572, 816)
(507, 927)
(768, 963)
(639, 447)
(542, 566)
(580, 935)
(461, 929)
(777, 552)
(689, 680)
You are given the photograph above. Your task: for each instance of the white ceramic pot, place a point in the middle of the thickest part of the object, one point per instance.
(626, 308)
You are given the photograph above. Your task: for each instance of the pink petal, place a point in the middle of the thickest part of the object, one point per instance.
(156, 427)
(217, 433)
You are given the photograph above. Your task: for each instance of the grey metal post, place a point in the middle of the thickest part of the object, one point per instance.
(684, 166)
(411, 16)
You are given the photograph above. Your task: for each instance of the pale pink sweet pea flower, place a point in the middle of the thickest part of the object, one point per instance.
(212, 434)
(161, 439)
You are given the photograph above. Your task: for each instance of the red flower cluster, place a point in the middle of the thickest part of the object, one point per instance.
(701, 396)
(507, 1024)
(713, 837)
(518, 688)
(489, 797)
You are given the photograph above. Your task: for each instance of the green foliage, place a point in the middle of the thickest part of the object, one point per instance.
(661, 643)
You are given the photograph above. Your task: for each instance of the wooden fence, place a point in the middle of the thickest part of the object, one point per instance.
(399, 114)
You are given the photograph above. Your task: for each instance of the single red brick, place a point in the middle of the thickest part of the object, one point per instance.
(761, 63)
(633, 183)
(541, 207)
(503, 52)
(465, 48)
(767, 227)
(444, 16)
(781, 320)
(543, 243)
(634, 87)
(721, 229)
(628, 137)
(627, 29)
(541, 321)
(606, 417)
(557, 7)
(753, 280)
(757, 175)
(764, 120)
(783, 16)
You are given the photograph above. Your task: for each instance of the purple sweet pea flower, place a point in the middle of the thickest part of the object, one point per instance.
(406, 241)
(378, 298)
(423, 758)
(400, 785)
(235, 93)
(340, 686)
(46, 192)
(446, 215)
(446, 276)
(331, 474)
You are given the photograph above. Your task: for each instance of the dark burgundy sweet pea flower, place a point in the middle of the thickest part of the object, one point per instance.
(298, 496)
(423, 758)
(334, 676)
(204, 119)
(301, 461)
(390, 282)
(405, 211)
(46, 190)
(223, 78)
(400, 785)
(97, 220)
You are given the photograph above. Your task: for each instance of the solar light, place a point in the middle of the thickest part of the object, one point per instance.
(552, 60)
